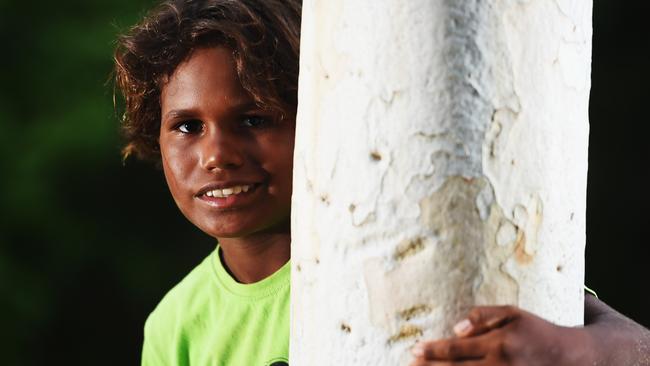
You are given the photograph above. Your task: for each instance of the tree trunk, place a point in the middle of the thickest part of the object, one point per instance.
(440, 163)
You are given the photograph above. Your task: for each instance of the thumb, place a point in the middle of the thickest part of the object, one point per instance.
(482, 319)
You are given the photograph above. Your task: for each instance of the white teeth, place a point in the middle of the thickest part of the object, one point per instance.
(225, 192)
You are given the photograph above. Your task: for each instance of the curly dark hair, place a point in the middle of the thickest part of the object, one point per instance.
(262, 34)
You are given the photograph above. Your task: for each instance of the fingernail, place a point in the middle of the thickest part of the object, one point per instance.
(463, 327)
(417, 350)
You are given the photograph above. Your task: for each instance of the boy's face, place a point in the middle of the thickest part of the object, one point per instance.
(227, 162)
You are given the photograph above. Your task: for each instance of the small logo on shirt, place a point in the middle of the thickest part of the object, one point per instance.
(278, 362)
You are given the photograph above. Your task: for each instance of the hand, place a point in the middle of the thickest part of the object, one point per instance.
(505, 335)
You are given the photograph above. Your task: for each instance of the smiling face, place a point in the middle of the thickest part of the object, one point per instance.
(228, 163)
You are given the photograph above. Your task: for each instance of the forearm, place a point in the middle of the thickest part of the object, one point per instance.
(617, 340)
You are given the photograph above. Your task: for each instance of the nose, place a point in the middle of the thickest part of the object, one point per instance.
(220, 150)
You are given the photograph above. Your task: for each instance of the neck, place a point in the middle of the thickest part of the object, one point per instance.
(253, 258)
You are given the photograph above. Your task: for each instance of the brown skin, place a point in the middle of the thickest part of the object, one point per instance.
(506, 335)
(213, 135)
(616, 339)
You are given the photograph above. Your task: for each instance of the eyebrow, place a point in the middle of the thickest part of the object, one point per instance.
(191, 112)
(178, 113)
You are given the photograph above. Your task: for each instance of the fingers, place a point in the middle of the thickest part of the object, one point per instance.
(482, 319)
(452, 349)
(480, 338)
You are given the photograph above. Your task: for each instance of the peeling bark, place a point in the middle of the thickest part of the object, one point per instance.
(440, 163)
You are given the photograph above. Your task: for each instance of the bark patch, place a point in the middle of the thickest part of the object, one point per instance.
(415, 311)
(408, 248)
(406, 331)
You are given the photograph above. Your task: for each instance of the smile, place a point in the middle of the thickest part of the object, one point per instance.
(227, 192)
(229, 196)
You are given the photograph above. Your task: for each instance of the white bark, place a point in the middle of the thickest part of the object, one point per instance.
(440, 163)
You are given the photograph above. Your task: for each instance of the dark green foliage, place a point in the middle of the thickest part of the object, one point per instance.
(87, 245)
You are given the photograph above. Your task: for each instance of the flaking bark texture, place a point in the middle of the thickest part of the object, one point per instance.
(440, 163)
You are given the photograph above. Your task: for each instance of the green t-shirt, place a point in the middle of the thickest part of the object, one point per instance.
(210, 319)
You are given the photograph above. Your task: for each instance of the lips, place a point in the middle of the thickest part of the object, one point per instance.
(227, 194)
(229, 191)
(226, 188)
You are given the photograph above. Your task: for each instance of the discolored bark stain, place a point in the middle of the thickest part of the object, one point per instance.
(406, 331)
(408, 248)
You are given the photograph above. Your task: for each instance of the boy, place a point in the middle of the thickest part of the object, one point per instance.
(210, 89)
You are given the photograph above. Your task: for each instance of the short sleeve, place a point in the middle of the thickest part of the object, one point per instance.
(155, 348)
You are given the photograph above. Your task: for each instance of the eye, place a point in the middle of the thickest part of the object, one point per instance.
(190, 127)
(255, 121)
